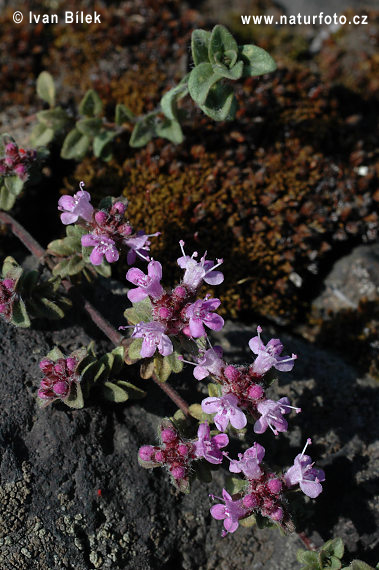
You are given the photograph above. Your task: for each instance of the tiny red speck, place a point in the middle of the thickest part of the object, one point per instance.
(99, 492)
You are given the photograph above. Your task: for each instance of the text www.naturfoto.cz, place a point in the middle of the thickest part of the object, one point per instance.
(305, 19)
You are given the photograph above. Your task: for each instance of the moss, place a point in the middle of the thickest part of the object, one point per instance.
(274, 193)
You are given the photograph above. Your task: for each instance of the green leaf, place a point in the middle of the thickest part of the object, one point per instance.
(46, 308)
(359, 565)
(55, 354)
(234, 73)
(75, 398)
(14, 184)
(147, 368)
(235, 485)
(143, 131)
(133, 392)
(175, 363)
(114, 393)
(101, 147)
(307, 557)
(170, 130)
(143, 310)
(200, 81)
(162, 368)
(333, 547)
(75, 145)
(41, 135)
(131, 316)
(200, 46)
(75, 265)
(7, 199)
(11, 268)
(91, 104)
(46, 88)
(56, 119)
(104, 269)
(223, 48)
(89, 127)
(248, 521)
(134, 351)
(20, 316)
(214, 390)
(196, 412)
(118, 359)
(123, 114)
(61, 247)
(170, 99)
(256, 61)
(221, 103)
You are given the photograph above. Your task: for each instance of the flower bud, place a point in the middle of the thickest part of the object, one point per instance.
(60, 389)
(178, 472)
(146, 452)
(118, 208)
(101, 217)
(179, 292)
(275, 486)
(11, 149)
(168, 435)
(125, 230)
(183, 450)
(159, 457)
(255, 392)
(231, 373)
(250, 501)
(71, 364)
(277, 514)
(45, 364)
(164, 313)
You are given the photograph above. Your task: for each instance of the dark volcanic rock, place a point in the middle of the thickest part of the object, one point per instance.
(55, 460)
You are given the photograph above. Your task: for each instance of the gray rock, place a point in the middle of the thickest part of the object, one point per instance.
(54, 460)
(353, 278)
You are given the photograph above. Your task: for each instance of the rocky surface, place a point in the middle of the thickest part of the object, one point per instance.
(55, 461)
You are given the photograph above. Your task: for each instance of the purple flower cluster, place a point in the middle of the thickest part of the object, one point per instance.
(16, 162)
(264, 490)
(175, 312)
(177, 454)
(109, 232)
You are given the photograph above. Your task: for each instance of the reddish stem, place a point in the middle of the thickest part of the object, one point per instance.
(173, 395)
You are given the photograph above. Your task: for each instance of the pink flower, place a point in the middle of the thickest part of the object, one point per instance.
(200, 314)
(209, 363)
(268, 356)
(139, 245)
(196, 272)
(154, 337)
(272, 415)
(305, 474)
(230, 512)
(103, 245)
(76, 206)
(208, 447)
(147, 285)
(226, 410)
(248, 462)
